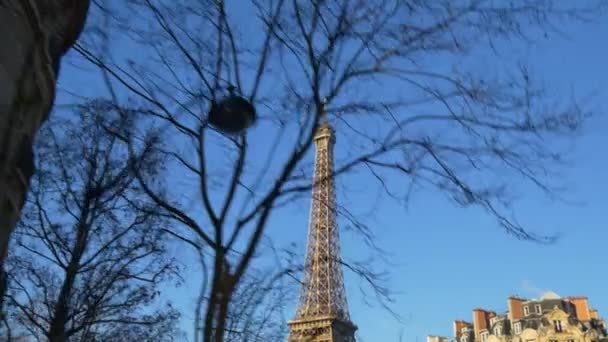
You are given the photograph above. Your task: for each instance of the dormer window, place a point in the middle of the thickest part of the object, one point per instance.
(517, 327)
(526, 311)
(558, 326)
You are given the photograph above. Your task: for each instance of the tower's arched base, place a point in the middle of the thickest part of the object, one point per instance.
(322, 329)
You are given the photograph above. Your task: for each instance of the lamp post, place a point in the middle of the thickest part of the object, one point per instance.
(233, 114)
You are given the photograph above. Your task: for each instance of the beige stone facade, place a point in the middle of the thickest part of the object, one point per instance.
(550, 318)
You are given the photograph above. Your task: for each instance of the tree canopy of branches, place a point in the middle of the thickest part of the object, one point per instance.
(89, 253)
(399, 79)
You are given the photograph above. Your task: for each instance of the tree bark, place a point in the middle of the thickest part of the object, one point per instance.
(57, 330)
(222, 289)
(36, 34)
(223, 307)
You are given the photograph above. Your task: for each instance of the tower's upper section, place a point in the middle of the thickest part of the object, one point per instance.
(325, 133)
(323, 293)
(322, 313)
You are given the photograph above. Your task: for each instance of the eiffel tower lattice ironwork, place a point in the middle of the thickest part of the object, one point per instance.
(322, 314)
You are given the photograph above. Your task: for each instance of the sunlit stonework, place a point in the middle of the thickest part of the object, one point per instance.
(550, 318)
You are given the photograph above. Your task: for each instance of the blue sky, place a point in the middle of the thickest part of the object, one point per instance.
(453, 260)
(449, 260)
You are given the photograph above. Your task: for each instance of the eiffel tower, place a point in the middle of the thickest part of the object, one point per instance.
(322, 314)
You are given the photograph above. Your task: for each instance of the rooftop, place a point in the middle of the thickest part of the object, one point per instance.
(550, 295)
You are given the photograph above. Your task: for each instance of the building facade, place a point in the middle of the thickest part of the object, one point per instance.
(550, 318)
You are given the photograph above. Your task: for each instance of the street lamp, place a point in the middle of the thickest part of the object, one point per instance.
(233, 114)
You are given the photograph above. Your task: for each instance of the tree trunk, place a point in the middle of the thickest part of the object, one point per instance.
(39, 32)
(223, 306)
(223, 286)
(59, 319)
(217, 311)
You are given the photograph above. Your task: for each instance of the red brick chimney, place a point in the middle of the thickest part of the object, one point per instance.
(458, 325)
(594, 314)
(516, 308)
(581, 305)
(480, 322)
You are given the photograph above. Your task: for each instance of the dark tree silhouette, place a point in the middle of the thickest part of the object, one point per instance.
(89, 253)
(444, 123)
(257, 310)
(30, 57)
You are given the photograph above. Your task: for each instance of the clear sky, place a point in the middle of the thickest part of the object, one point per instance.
(453, 260)
(449, 260)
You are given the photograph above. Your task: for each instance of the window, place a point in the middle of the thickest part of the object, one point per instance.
(526, 310)
(484, 336)
(538, 309)
(498, 331)
(553, 341)
(558, 326)
(570, 340)
(517, 327)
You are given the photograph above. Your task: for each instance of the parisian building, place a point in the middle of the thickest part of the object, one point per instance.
(550, 318)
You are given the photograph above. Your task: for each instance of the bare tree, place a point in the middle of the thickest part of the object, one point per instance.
(443, 124)
(36, 36)
(89, 253)
(257, 310)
